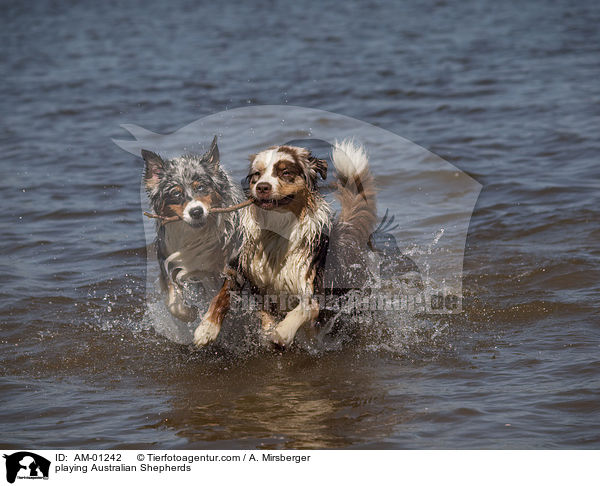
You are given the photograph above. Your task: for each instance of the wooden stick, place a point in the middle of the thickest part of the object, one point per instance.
(163, 219)
(235, 207)
(170, 219)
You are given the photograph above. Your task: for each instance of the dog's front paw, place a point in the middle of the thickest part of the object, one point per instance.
(280, 337)
(206, 333)
(183, 312)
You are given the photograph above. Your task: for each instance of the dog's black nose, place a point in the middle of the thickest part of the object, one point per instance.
(263, 188)
(197, 212)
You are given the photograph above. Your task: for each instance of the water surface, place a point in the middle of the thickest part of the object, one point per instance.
(507, 92)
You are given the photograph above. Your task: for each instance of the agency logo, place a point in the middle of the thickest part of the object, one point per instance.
(26, 465)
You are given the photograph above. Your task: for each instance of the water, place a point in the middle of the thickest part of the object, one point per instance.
(508, 93)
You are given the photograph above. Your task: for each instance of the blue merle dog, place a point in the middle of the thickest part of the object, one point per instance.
(195, 247)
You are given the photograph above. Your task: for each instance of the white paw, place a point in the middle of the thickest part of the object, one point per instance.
(206, 333)
(280, 336)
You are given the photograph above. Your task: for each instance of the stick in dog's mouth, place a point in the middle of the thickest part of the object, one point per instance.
(273, 203)
(170, 219)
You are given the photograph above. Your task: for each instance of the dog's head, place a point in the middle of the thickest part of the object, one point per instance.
(284, 177)
(186, 186)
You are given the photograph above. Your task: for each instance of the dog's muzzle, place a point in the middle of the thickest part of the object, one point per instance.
(195, 213)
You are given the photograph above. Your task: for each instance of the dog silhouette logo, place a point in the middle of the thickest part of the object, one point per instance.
(26, 465)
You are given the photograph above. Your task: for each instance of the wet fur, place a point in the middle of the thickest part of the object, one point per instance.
(191, 248)
(285, 246)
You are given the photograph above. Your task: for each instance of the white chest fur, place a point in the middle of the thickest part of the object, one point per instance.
(277, 266)
(278, 249)
(194, 252)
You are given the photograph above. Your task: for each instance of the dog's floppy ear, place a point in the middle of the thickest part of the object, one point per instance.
(212, 156)
(319, 166)
(154, 169)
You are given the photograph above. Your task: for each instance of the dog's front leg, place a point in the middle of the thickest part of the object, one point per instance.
(176, 303)
(208, 330)
(306, 312)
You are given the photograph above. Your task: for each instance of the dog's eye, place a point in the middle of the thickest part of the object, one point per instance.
(176, 195)
(287, 175)
(198, 186)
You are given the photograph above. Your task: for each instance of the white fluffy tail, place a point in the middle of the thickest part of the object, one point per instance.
(356, 192)
(349, 159)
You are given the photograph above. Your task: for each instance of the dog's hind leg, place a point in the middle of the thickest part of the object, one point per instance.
(208, 330)
(306, 312)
